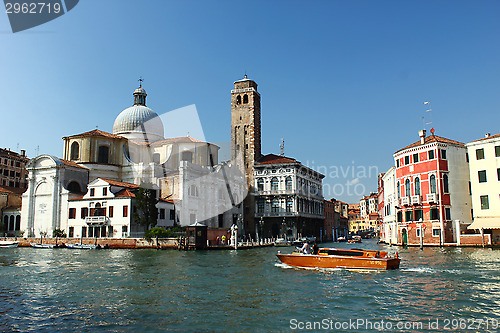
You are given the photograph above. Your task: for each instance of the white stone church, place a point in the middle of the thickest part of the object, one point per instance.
(101, 170)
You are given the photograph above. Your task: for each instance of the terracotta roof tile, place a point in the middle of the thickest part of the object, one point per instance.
(96, 132)
(125, 193)
(71, 163)
(430, 139)
(119, 184)
(489, 137)
(12, 190)
(275, 159)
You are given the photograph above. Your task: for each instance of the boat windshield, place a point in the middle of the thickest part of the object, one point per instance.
(341, 253)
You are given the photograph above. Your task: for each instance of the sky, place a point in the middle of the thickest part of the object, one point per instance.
(342, 82)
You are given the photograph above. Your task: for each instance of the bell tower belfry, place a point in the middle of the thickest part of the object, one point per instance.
(246, 139)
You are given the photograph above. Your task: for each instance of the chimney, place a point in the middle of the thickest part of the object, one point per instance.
(487, 135)
(23, 152)
(421, 134)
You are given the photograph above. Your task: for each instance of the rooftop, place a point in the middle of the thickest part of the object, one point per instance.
(430, 139)
(96, 132)
(119, 184)
(488, 137)
(275, 159)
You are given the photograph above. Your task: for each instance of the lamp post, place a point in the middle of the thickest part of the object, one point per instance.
(261, 224)
(284, 228)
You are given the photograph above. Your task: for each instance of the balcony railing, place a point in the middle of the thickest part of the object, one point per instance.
(271, 214)
(96, 220)
(404, 201)
(275, 192)
(432, 197)
(416, 200)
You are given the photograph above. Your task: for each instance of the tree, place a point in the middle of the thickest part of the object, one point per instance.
(146, 213)
(59, 233)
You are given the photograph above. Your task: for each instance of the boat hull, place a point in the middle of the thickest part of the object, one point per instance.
(80, 246)
(42, 246)
(322, 261)
(8, 244)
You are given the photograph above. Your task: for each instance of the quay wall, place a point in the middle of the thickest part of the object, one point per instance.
(113, 243)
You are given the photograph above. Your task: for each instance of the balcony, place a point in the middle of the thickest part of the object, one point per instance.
(432, 197)
(96, 220)
(275, 192)
(405, 201)
(276, 214)
(416, 200)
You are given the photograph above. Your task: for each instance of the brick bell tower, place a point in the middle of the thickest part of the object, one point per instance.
(245, 140)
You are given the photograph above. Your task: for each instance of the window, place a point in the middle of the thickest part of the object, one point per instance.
(400, 216)
(275, 206)
(485, 204)
(434, 213)
(431, 154)
(245, 99)
(417, 186)
(467, 157)
(446, 186)
(289, 205)
(397, 163)
(260, 184)
(288, 183)
(72, 213)
(162, 213)
(482, 176)
(447, 213)
(172, 214)
(433, 183)
(187, 156)
(238, 99)
(103, 154)
(84, 212)
(84, 231)
(274, 184)
(498, 173)
(497, 151)
(418, 232)
(409, 215)
(436, 232)
(111, 211)
(415, 158)
(419, 215)
(193, 191)
(408, 188)
(75, 151)
(399, 192)
(104, 191)
(125, 211)
(479, 154)
(124, 230)
(443, 154)
(260, 206)
(71, 232)
(407, 160)
(92, 192)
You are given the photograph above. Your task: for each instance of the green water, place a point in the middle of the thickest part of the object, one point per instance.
(247, 290)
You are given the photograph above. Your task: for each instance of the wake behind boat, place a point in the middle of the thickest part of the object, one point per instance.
(341, 258)
(8, 244)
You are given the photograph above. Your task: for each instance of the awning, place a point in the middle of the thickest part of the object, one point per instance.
(485, 223)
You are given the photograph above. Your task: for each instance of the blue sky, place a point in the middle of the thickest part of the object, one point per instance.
(343, 82)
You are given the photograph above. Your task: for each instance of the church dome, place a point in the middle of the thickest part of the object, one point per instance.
(138, 122)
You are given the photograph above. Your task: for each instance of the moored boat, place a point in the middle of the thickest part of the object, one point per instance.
(45, 246)
(355, 239)
(342, 258)
(282, 242)
(80, 246)
(7, 244)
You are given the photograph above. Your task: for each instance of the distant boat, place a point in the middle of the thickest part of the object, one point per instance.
(43, 246)
(80, 246)
(7, 244)
(355, 239)
(282, 242)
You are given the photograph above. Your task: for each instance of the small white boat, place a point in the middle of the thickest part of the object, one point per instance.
(282, 242)
(7, 244)
(43, 246)
(80, 246)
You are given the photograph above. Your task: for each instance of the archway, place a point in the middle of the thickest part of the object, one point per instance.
(404, 236)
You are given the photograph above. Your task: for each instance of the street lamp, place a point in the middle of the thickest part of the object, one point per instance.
(261, 224)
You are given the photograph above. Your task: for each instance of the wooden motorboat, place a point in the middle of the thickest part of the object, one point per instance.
(7, 244)
(43, 246)
(342, 258)
(80, 246)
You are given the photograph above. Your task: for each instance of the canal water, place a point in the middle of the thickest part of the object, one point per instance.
(245, 291)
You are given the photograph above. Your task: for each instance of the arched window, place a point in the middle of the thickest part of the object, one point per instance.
(5, 222)
(245, 99)
(275, 206)
(289, 205)
(446, 187)
(274, 184)
(260, 206)
(238, 99)
(187, 156)
(417, 186)
(18, 222)
(408, 188)
(75, 151)
(103, 156)
(193, 190)
(74, 187)
(289, 183)
(12, 224)
(433, 184)
(260, 184)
